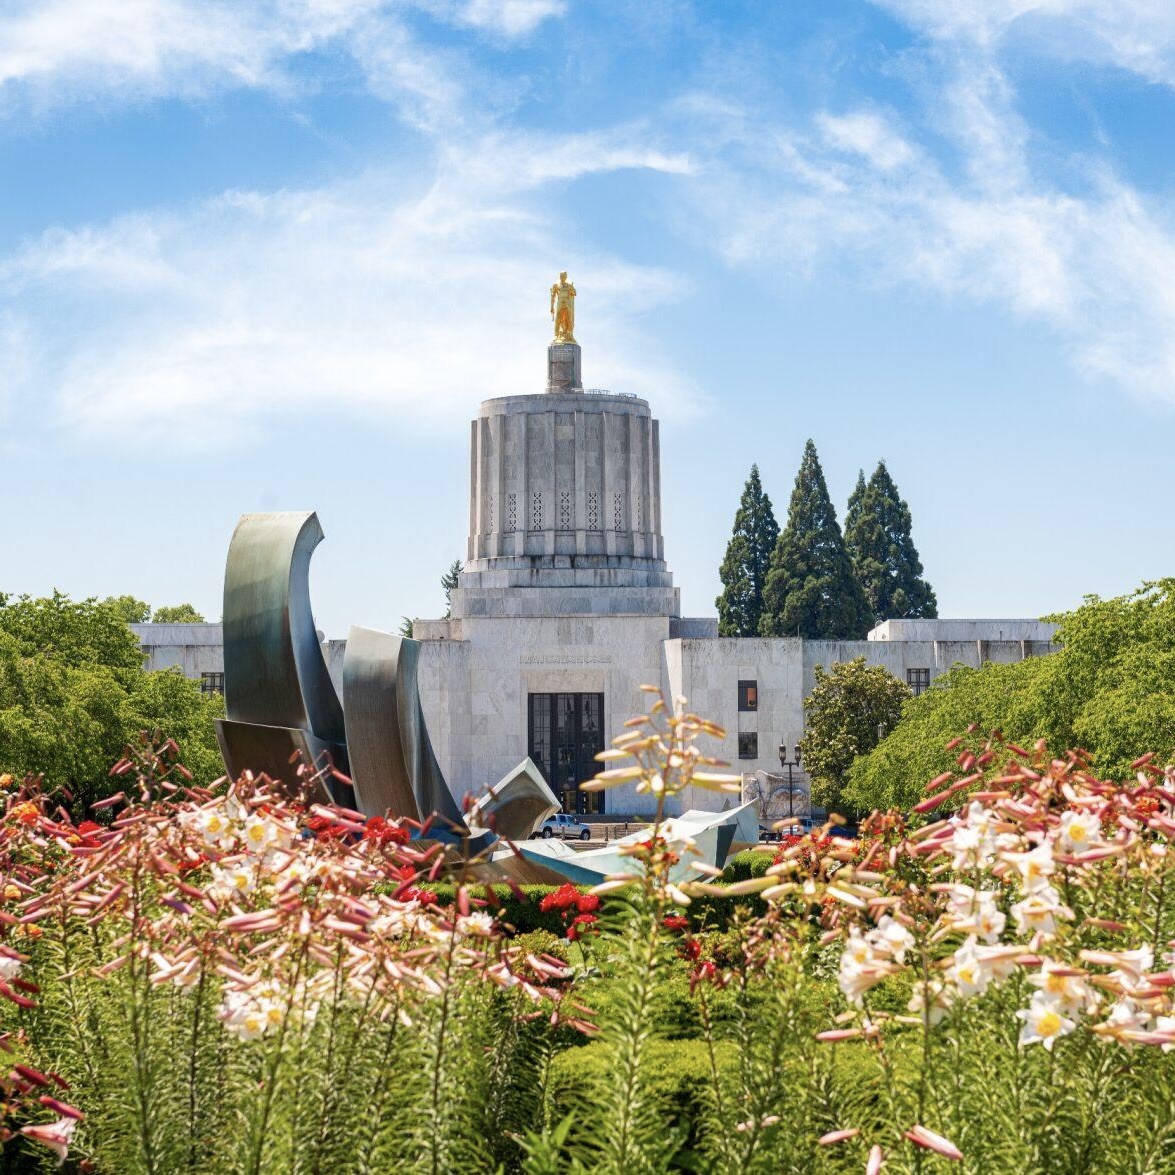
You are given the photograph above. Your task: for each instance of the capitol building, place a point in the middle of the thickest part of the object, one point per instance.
(566, 606)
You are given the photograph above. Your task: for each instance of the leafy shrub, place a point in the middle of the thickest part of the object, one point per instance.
(676, 1072)
(747, 864)
(1110, 689)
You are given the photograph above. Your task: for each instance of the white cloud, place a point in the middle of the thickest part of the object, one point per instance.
(57, 51)
(1094, 268)
(869, 135)
(163, 46)
(1138, 35)
(355, 295)
(511, 18)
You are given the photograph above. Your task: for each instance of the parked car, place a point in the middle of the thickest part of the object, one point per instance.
(795, 826)
(565, 826)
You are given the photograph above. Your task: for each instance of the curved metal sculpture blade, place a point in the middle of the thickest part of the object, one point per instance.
(278, 693)
(393, 766)
(516, 806)
(274, 671)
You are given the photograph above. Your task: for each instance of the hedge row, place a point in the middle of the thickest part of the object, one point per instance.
(524, 913)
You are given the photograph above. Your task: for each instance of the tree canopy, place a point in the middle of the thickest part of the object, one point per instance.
(748, 556)
(1110, 689)
(177, 614)
(811, 590)
(842, 717)
(880, 546)
(74, 694)
(131, 609)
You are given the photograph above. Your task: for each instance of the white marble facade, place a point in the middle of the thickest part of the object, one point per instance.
(566, 592)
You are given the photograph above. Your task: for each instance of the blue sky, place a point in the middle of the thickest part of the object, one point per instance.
(272, 255)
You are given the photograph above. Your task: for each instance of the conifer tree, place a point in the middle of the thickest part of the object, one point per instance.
(884, 558)
(811, 590)
(748, 556)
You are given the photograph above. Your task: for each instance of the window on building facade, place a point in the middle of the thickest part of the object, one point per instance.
(212, 683)
(918, 680)
(748, 744)
(748, 695)
(565, 732)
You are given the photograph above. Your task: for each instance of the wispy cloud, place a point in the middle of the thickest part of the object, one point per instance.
(1138, 35)
(53, 52)
(874, 195)
(356, 295)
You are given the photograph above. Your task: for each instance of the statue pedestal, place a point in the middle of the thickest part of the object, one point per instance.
(563, 373)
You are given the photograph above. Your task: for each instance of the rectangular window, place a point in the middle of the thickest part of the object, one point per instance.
(565, 733)
(212, 683)
(918, 680)
(748, 744)
(748, 695)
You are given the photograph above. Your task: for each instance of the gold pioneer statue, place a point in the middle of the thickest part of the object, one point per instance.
(563, 309)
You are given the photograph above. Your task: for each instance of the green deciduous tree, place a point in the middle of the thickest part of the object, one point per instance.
(1110, 689)
(74, 694)
(748, 556)
(844, 717)
(177, 614)
(882, 551)
(132, 610)
(811, 590)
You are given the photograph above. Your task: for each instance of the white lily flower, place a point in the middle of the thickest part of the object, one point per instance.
(1079, 831)
(969, 972)
(1035, 866)
(1044, 1021)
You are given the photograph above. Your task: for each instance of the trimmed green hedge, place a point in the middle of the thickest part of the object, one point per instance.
(710, 913)
(749, 863)
(678, 1073)
(521, 913)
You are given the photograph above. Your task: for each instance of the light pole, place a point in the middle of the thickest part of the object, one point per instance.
(790, 764)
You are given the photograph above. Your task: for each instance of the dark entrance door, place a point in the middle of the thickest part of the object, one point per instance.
(565, 733)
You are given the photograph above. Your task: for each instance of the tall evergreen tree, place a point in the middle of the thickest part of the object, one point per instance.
(811, 590)
(877, 536)
(748, 556)
(449, 581)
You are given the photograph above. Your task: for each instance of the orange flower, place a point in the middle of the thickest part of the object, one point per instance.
(26, 812)
(11, 892)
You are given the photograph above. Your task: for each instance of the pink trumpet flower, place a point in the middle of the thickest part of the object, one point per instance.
(875, 1161)
(834, 1136)
(56, 1135)
(935, 1142)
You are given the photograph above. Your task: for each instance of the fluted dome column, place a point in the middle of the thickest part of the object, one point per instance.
(565, 493)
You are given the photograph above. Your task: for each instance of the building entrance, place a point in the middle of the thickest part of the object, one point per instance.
(565, 732)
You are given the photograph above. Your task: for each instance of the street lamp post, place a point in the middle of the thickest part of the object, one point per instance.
(790, 764)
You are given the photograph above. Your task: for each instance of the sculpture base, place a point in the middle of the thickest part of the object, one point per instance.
(563, 368)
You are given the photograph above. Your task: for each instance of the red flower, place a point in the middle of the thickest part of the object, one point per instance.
(563, 898)
(586, 903)
(676, 923)
(690, 949)
(88, 826)
(580, 920)
(425, 897)
(382, 832)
